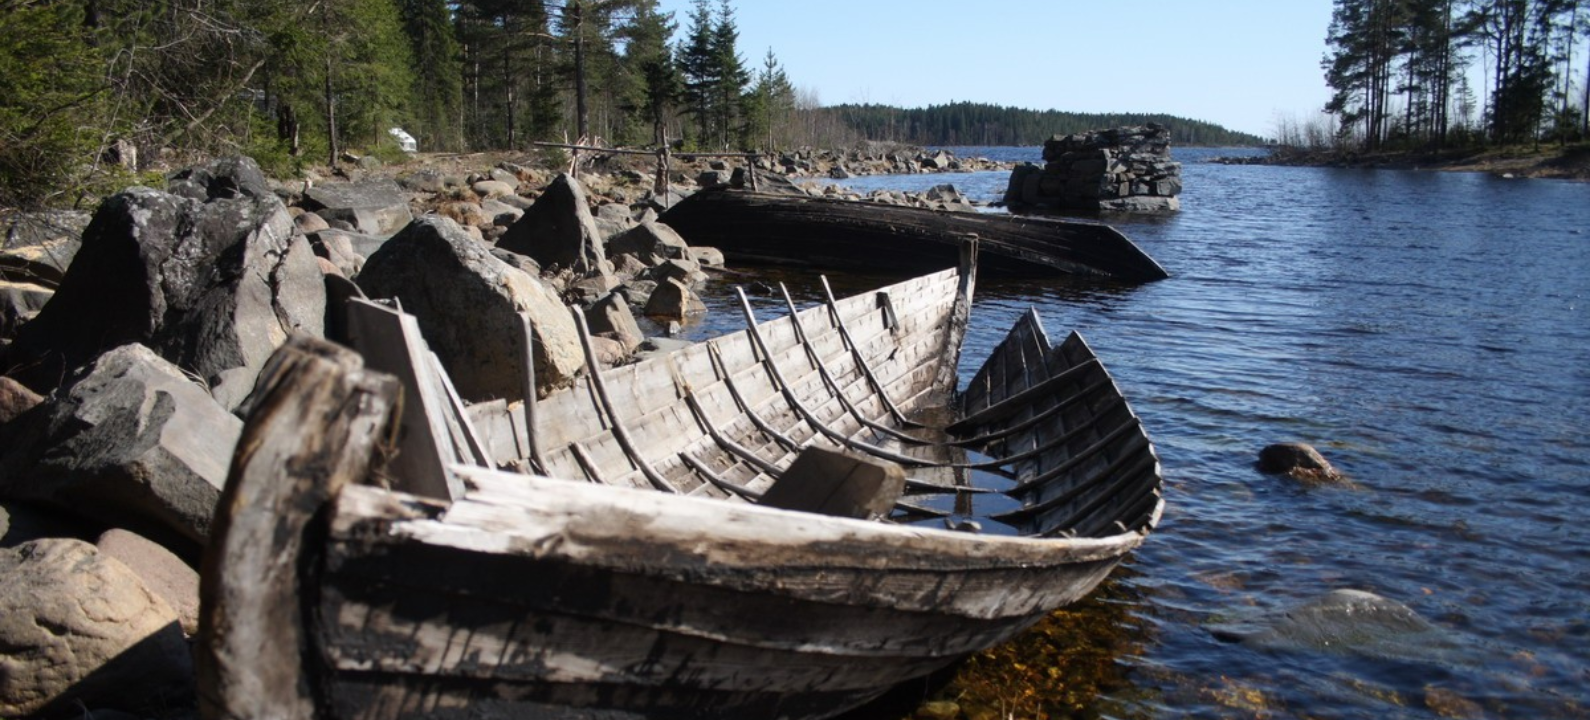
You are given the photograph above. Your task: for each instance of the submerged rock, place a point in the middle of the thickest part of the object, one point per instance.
(1299, 461)
(1347, 621)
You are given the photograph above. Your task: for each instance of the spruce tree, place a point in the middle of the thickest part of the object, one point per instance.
(731, 76)
(438, 73)
(652, 85)
(698, 63)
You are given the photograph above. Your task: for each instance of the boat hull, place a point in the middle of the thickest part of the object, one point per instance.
(756, 229)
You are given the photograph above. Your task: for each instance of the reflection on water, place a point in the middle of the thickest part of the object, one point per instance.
(1429, 333)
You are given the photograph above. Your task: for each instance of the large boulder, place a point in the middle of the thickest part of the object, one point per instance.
(78, 630)
(130, 443)
(471, 306)
(372, 207)
(649, 238)
(212, 286)
(558, 229)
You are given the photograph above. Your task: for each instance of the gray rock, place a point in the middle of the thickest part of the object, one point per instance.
(19, 303)
(130, 443)
(37, 248)
(685, 271)
(588, 289)
(497, 209)
(336, 247)
(15, 399)
(470, 306)
(229, 178)
(505, 177)
(712, 179)
(213, 287)
(558, 229)
(609, 351)
(77, 627)
(628, 266)
(517, 262)
(163, 573)
(649, 238)
(674, 300)
(309, 223)
(706, 255)
(637, 292)
(519, 202)
(361, 244)
(424, 180)
(492, 188)
(372, 207)
(611, 314)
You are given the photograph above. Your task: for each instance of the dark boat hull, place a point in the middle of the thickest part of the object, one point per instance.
(835, 234)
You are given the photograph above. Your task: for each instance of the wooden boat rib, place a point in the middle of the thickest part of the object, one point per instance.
(659, 579)
(772, 229)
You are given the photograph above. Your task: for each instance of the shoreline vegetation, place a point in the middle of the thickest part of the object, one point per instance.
(1564, 162)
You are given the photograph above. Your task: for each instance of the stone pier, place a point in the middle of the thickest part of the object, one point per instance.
(1117, 170)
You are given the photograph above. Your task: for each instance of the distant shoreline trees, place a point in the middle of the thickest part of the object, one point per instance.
(1399, 72)
(295, 83)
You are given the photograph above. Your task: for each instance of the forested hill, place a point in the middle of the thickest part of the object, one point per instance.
(967, 123)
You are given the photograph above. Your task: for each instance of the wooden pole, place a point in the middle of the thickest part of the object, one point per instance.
(315, 423)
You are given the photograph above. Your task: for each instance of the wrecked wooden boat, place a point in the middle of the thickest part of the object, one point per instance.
(830, 233)
(777, 523)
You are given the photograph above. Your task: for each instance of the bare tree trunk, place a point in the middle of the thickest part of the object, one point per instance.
(331, 117)
(582, 113)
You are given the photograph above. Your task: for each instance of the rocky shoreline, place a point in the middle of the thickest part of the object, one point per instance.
(131, 338)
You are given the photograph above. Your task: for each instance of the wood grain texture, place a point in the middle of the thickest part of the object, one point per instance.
(314, 421)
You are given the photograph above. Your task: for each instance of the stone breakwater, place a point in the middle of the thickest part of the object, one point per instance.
(1125, 169)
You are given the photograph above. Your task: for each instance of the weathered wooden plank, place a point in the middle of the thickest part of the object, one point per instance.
(391, 343)
(313, 425)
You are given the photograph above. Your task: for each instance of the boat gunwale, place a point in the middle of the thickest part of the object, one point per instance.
(559, 512)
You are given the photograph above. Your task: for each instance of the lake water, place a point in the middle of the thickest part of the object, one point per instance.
(1430, 333)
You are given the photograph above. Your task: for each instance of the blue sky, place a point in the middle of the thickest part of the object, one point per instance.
(1239, 63)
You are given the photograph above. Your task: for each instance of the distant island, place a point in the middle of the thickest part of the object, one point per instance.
(969, 123)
